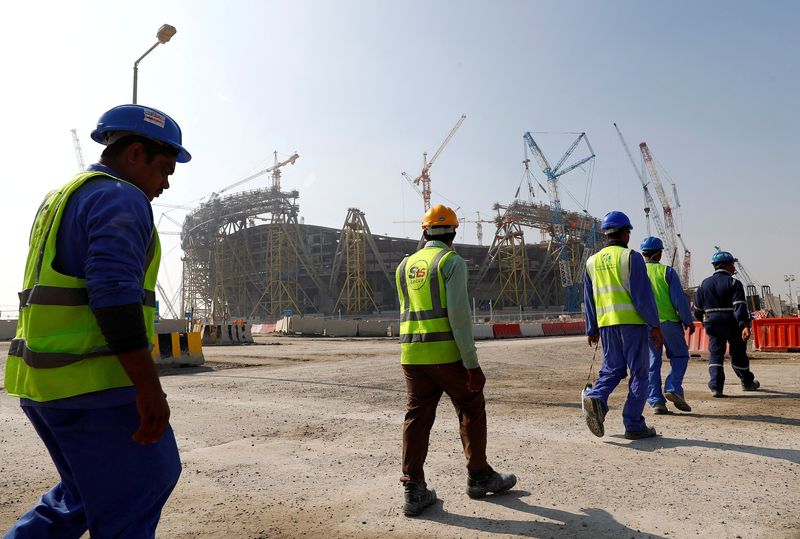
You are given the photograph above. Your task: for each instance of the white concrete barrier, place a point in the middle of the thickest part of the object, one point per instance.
(8, 329)
(341, 328)
(373, 328)
(482, 331)
(394, 328)
(306, 326)
(533, 329)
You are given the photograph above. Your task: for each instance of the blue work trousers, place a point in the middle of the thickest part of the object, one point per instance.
(110, 485)
(678, 355)
(624, 349)
(719, 337)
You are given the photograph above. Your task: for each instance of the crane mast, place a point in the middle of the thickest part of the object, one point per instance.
(686, 270)
(76, 145)
(424, 176)
(671, 245)
(559, 233)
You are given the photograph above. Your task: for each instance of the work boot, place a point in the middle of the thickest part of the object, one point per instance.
(416, 498)
(717, 393)
(595, 415)
(646, 432)
(660, 408)
(678, 400)
(752, 386)
(481, 483)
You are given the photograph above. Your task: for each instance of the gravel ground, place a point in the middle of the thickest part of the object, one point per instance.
(298, 437)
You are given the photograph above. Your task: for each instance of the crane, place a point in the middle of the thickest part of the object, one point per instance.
(649, 203)
(76, 144)
(670, 247)
(424, 176)
(686, 270)
(561, 248)
(275, 169)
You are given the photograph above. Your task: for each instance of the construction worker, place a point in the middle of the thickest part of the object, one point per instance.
(80, 362)
(438, 355)
(675, 316)
(721, 305)
(620, 309)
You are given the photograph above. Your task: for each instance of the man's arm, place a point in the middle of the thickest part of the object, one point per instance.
(590, 312)
(740, 311)
(678, 298)
(454, 271)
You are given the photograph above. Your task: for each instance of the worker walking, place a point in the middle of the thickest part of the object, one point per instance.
(438, 355)
(675, 317)
(721, 305)
(80, 362)
(620, 308)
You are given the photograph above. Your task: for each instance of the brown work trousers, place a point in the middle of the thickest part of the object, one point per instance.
(425, 384)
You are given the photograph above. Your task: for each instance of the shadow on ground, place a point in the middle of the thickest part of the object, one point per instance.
(660, 442)
(537, 521)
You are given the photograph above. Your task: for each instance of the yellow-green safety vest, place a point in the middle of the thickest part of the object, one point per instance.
(59, 350)
(610, 272)
(426, 337)
(658, 278)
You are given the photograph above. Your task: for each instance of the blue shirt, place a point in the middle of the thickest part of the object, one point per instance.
(641, 294)
(720, 299)
(103, 237)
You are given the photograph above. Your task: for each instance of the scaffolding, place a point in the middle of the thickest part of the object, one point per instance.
(356, 294)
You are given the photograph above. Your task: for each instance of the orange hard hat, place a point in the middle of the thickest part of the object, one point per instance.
(439, 215)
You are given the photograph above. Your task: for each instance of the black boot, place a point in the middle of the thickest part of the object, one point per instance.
(481, 483)
(416, 498)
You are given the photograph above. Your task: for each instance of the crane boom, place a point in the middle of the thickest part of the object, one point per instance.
(686, 270)
(76, 144)
(274, 169)
(424, 176)
(670, 239)
(650, 204)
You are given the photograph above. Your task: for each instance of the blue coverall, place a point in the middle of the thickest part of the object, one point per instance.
(721, 305)
(625, 346)
(674, 342)
(110, 485)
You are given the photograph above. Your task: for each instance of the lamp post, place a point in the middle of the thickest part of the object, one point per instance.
(789, 279)
(163, 35)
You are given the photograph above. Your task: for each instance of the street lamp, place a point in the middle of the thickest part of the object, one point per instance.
(164, 34)
(789, 279)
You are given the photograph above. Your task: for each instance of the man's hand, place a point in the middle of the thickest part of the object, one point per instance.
(657, 337)
(150, 400)
(745, 334)
(593, 339)
(691, 329)
(475, 379)
(153, 416)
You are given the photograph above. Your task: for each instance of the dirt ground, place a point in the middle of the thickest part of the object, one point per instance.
(297, 437)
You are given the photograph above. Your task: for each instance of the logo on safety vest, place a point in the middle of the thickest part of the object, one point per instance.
(605, 262)
(417, 275)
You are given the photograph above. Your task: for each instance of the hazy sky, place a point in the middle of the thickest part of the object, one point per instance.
(361, 88)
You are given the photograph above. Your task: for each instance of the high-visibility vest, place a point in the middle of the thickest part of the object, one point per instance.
(59, 350)
(610, 273)
(658, 278)
(426, 337)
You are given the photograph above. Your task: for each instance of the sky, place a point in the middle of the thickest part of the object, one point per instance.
(361, 88)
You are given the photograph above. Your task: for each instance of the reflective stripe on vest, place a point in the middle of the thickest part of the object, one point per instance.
(610, 273)
(59, 350)
(426, 337)
(658, 278)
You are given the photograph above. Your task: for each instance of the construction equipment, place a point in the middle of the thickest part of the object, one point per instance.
(670, 243)
(76, 145)
(649, 203)
(424, 177)
(686, 270)
(569, 273)
(275, 169)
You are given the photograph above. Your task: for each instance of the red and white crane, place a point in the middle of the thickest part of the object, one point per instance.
(424, 176)
(670, 241)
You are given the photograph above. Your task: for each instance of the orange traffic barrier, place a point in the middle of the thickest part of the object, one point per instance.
(776, 334)
(553, 328)
(506, 331)
(574, 328)
(698, 342)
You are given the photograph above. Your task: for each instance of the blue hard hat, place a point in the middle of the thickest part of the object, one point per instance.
(723, 256)
(614, 221)
(145, 121)
(651, 243)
